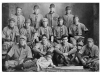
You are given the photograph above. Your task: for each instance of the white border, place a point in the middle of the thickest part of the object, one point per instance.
(41, 1)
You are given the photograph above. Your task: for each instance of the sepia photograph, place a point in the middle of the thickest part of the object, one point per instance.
(50, 37)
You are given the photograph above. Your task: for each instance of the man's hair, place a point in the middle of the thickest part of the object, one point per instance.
(18, 7)
(90, 39)
(63, 36)
(52, 5)
(44, 35)
(11, 19)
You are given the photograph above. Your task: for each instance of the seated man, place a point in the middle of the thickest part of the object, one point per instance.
(43, 47)
(45, 62)
(45, 29)
(29, 32)
(76, 30)
(9, 35)
(19, 53)
(63, 52)
(89, 55)
(60, 30)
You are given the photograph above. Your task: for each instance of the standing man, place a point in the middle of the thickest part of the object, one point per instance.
(60, 30)
(36, 17)
(76, 30)
(63, 52)
(52, 17)
(45, 29)
(68, 17)
(9, 35)
(21, 53)
(19, 18)
(89, 55)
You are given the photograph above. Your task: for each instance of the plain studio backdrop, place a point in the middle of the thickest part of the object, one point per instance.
(88, 14)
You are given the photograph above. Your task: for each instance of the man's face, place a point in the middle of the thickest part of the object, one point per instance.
(12, 23)
(45, 23)
(60, 22)
(65, 40)
(52, 10)
(22, 42)
(27, 24)
(68, 11)
(90, 43)
(36, 11)
(76, 20)
(19, 11)
(48, 57)
(44, 40)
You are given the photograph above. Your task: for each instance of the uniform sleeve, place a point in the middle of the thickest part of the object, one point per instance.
(57, 46)
(82, 50)
(46, 16)
(64, 20)
(30, 18)
(50, 47)
(84, 28)
(29, 54)
(37, 48)
(11, 52)
(70, 30)
(71, 46)
(38, 31)
(4, 33)
(17, 31)
(66, 31)
(33, 30)
(51, 63)
(96, 52)
(58, 49)
(23, 19)
(55, 32)
(50, 31)
(73, 49)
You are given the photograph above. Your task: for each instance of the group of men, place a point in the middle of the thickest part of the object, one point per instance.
(29, 39)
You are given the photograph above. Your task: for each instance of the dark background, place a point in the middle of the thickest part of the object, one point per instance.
(87, 12)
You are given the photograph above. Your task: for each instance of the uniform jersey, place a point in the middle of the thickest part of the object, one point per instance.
(19, 20)
(9, 33)
(52, 19)
(43, 48)
(36, 20)
(28, 32)
(47, 31)
(20, 53)
(60, 30)
(76, 30)
(69, 48)
(68, 20)
(91, 52)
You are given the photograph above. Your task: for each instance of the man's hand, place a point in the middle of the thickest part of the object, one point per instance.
(83, 62)
(54, 66)
(21, 61)
(65, 54)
